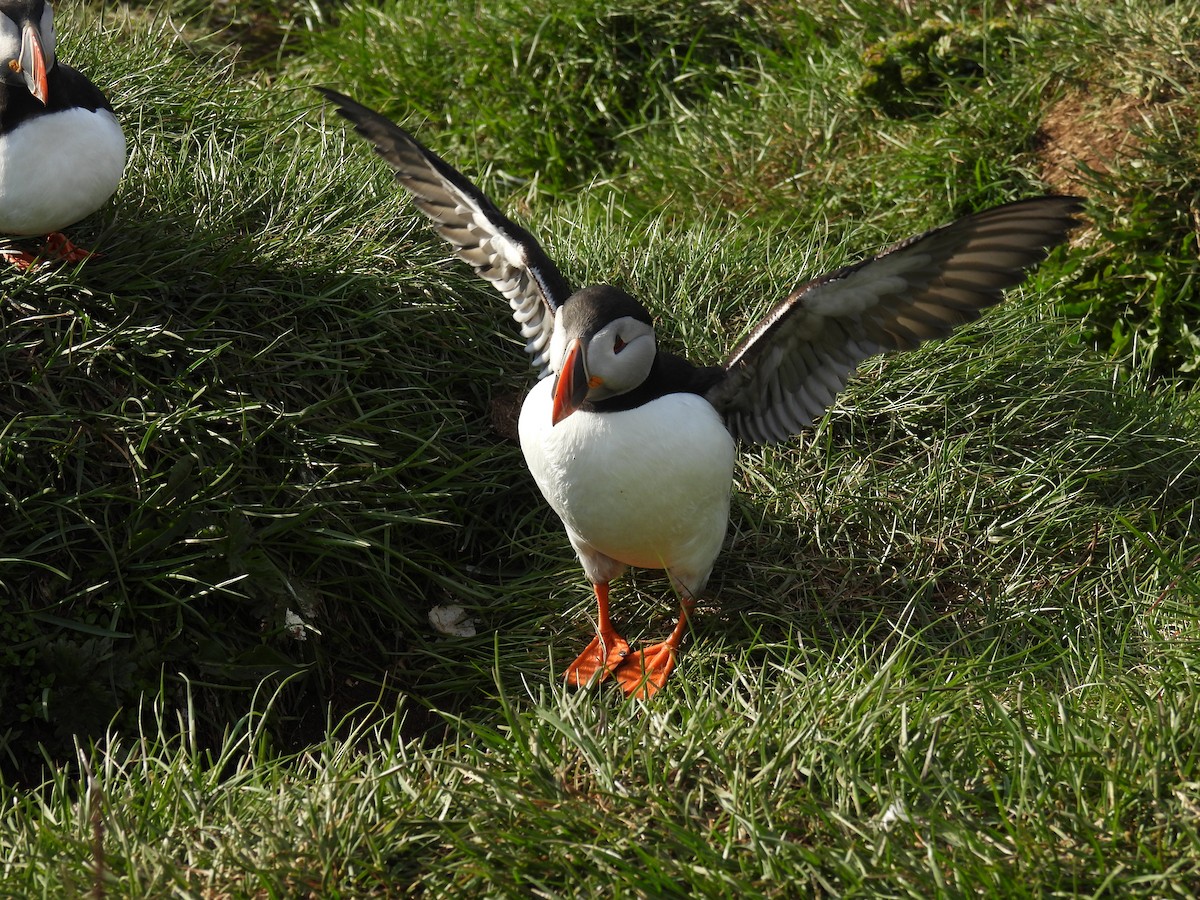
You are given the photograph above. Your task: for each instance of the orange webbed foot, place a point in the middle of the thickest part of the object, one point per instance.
(643, 674)
(18, 258)
(58, 246)
(603, 655)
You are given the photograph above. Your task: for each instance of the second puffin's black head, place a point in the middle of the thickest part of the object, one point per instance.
(27, 44)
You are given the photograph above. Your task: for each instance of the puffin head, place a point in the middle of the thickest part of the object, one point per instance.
(602, 346)
(27, 44)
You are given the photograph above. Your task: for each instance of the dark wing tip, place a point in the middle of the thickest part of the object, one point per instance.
(331, 95)
(384, 135)
(346, 108)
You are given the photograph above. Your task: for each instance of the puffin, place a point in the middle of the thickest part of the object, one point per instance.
(62, 151)
(634, 447)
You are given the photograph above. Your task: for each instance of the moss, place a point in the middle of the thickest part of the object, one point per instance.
(908, 72)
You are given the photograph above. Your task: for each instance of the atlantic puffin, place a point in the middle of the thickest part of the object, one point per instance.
(634, 447)
(62, 151)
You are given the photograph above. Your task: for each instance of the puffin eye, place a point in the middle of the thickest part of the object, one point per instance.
(619, 345)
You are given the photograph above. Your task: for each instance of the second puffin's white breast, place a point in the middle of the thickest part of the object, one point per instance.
(58, 168)
(648, 486)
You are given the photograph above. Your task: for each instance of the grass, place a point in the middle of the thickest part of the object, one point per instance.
(952, 644)
(894, 773)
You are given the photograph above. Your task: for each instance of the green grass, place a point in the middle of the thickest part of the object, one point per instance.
(952, 641)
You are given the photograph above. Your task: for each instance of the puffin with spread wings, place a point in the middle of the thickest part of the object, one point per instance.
(634, 447)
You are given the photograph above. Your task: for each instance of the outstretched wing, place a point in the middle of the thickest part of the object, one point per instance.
(782, 377)
(499, 250)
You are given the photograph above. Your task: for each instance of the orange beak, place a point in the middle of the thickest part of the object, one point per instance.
(573, 383)
(32, 64)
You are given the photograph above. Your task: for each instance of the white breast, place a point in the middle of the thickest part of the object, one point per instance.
(647, 487)
(57, 169)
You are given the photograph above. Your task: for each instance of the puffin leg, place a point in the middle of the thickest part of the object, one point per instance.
(606, 651)
(58, 246)
(644, 672)
(18, 258)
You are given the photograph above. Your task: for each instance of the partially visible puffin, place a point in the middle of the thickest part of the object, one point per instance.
(62, 150)
(634, 447)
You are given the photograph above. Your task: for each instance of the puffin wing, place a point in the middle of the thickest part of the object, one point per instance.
(784, 375)
(497, 248)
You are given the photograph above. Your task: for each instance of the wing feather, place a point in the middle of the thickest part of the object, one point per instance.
(497, 248)
(790, 368)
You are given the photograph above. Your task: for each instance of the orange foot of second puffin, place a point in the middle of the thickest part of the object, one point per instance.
(18, 258)
(59, 247)
(643, 674)
(604, 655)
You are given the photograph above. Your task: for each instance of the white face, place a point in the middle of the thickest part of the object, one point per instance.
(11, 40)
(618, 356)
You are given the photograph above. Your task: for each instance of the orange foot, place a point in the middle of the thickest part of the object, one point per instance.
(18, 258)
(643, 673)
(604, 655)
(59, 247)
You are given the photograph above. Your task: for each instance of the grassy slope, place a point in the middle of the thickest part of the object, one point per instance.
(955, 643)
